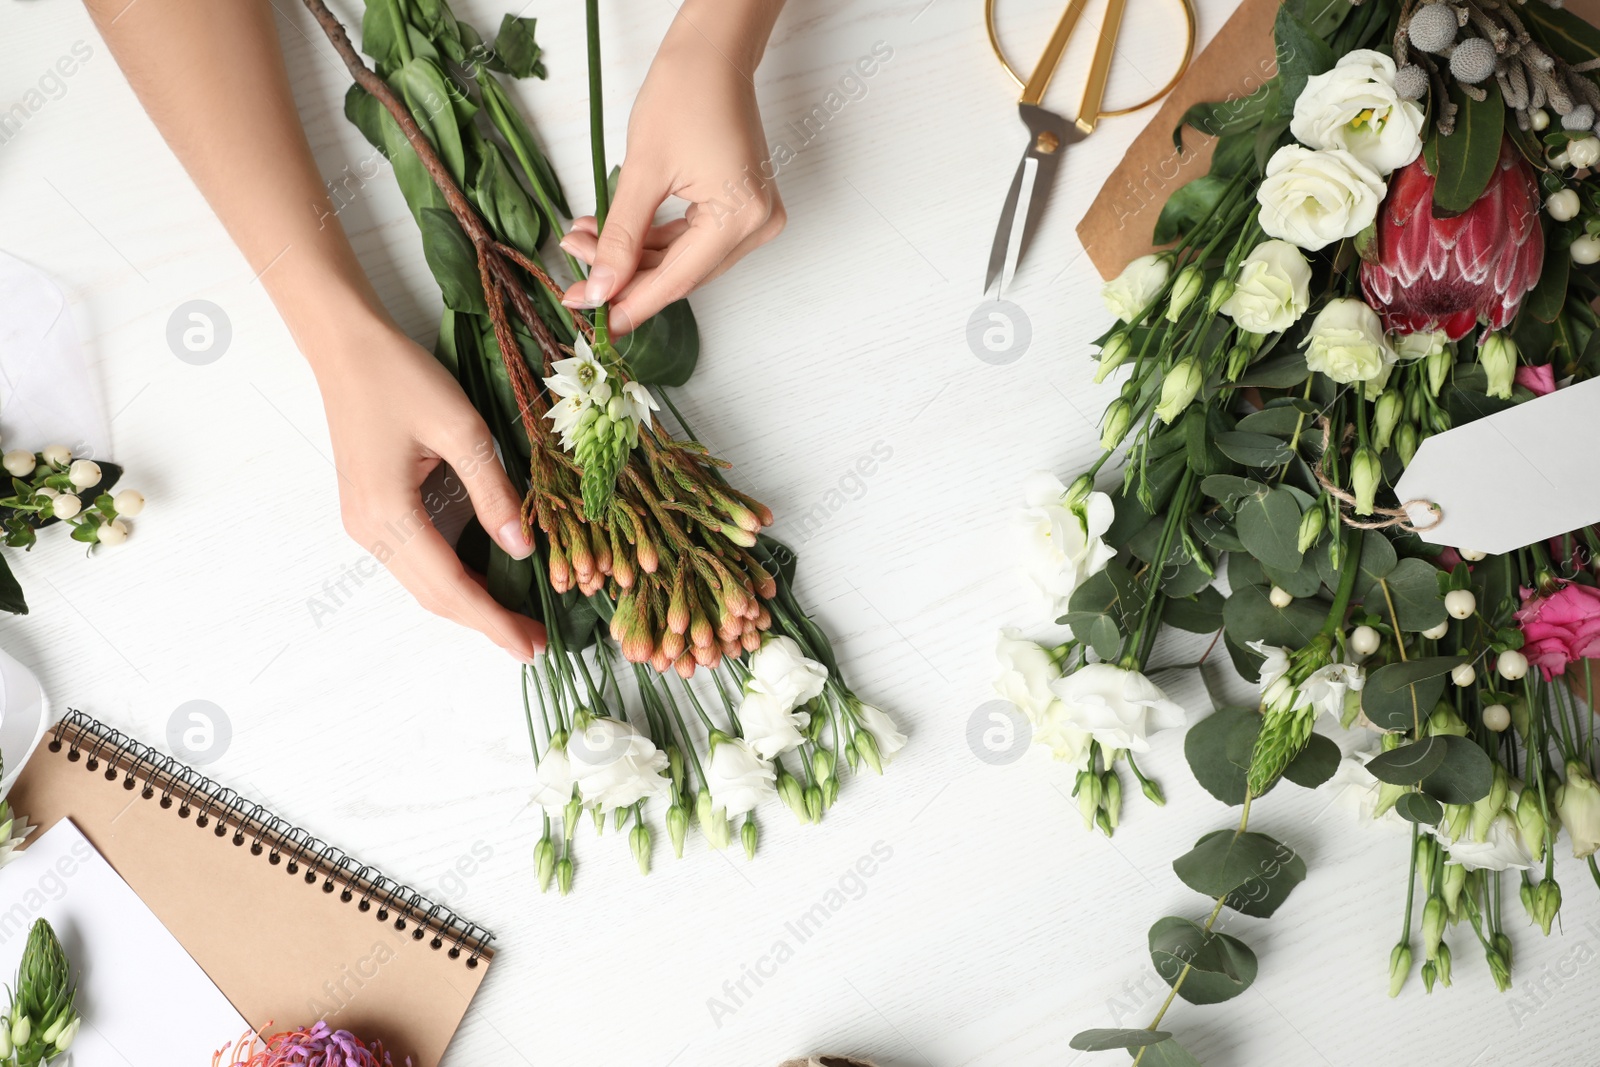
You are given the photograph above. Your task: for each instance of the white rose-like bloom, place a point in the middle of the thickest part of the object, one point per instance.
(779, 667)
(615, 765)
(1061, 546)
(1325, 688)
(1273, 290)
(1313, 199)
(1116, 707)
(1057, 731)
(1026, 671)
(883, 730)
(1500, 850)
(1346, 342)
(554, 778)
(1419, 345)
(738, 778)
(1356, 788)
(1129, 295)
(771, 724)
(1354, 107)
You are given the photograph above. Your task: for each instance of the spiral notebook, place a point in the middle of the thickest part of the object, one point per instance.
(290, 928)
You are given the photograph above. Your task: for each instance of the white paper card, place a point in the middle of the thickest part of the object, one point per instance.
(144, 1001)
(47, 395)
(1512, 478)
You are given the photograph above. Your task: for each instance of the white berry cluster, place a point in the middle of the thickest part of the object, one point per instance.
(50, 484)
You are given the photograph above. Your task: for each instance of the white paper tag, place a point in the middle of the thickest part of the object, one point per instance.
(51, 398)
(1513, 478)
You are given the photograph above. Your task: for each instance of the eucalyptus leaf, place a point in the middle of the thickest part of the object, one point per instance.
(1253, 449)
(1269, 526)
(1230, 490)
(1397, 696)
(1220, 966)
(1198, 614)
(1250, 616)
(1254, 872)
(1464, 777)
(1413, 585)
(1217, 749)
(1418, 808)
(1378, 560)
(1101, 1040)
(1408, 764)
(1278, 372)
(1302, 581)
(1168, 1054)
(1315, 764)
(11, 598)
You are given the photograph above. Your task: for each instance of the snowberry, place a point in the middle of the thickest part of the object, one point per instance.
(1497, 717)
(1539, 119)
(1512, 665)
(66, 506)
(1584, 250)
(1280, 597)
(46, 492)
(84, 473)
(1364, 640)
(1463, 675)
(1471, 555)
(1434, 633)
(1460, 603)
(129, 502)
(18, 463)
(1584, 152)
(57, 455)
(113, 533)
(1563, 205)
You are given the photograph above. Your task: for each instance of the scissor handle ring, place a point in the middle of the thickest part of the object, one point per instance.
(1183, 64)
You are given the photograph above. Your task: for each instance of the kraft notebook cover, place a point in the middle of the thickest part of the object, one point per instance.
(290, 928)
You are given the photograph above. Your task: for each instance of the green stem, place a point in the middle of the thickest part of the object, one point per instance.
(597, 140)
(402, 35)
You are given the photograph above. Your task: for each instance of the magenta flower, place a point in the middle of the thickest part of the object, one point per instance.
(1560, 626)
(1540, 380)
(316, 1047)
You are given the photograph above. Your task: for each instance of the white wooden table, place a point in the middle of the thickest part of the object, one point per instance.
(997, 927)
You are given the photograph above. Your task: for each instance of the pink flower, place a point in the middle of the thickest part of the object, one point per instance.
(1560, 627)
(1538, 380)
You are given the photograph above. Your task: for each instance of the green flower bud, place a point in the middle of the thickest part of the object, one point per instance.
(830, 792)
(1113, 354)
(1386, 416)
(1531, 823)
(1076, 494)
(1312, 523)
(1427, 852)
(1115, 423)
(65, 1038)
(1221, 289)
(1089, 791)
(675, 766)
(1499, 963)
(1433, 918)
(1406, 442)
(1439, 364)
(1185, 287)
(1399, 967)
(713, 822)
(639, 841)
(747, 837)
(1111, 799)
(822, 764)
(599, 818)
(1450, 886)
(1443, 962)
(793, 794)
(1546, 903)
(1501, 942)
(5, 1043)
(1429, 974)
(1365, 475)
(544, 862)
(677, 828)
(851, 756)
(21, 1030)
(1498, 356)
(1103, 821)
(1152, 792)
(1444, 720)
(813, 804)
(1178, 389)
(1489, 806)
(569, 818)
(564, 875)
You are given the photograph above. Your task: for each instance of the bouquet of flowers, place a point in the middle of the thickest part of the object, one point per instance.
(1396, 236)
(638, 533)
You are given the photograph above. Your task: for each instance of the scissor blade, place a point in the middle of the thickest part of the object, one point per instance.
(1048, 137)
(1007, 236)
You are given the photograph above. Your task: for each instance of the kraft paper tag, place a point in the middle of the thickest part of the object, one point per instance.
(1513, 478)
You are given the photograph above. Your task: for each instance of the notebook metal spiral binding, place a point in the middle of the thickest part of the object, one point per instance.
(84, 737)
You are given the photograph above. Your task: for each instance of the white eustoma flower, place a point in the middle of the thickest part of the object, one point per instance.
(1324, 688)
(1354, 787)
(1501, 849)
(1313, 199)
(1354, 107)
(738, 778)
(1577, 801)
(1347, 343)
(1273, 289)
(779, 667)
(771, 724)
(1057, 731)
(1129, 294)
(615, 765)
(1115, 706)
(1060, 545)
(1026, 672)
(1419, 345)
(885, 734)
(555, 781)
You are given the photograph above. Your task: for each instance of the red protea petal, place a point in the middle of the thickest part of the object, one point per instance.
(1448, 274)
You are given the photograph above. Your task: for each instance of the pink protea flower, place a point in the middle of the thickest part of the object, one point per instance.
(316, 1047)
(1447, 274)
(1560, 626)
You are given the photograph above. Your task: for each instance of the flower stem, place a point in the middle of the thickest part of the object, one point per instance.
(597, 139)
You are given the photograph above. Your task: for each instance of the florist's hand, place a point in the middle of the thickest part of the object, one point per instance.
(394, 414)
(695, 132)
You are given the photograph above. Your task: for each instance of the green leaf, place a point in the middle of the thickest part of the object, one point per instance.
(1415, 807)
(1200, 427)
(505, 205)
(1303, 581)
(1101, 1040)
(1465, 776)
(380, 20)
(454, 263)
(1550, 295)
(1301, 53)
(369, 116)
(1269, 526)
(1250, 616)
(428, 98)
(510, 580)
(1215, 119)
(1230, 490)
(1253, 449)
(525, 147)
(1408, 764)
(1279, 421)
(516, 50)
(1397, 696)
(1218, 751)
(1468, 157)
(1187, 207)
(664, 349)
(1168, 1054)
(1220, 967)
(1254, 872)
(1315, 764)
(1279, 372)
(1413, 585)
(1565, 34)
(1378, 560)
(1199, 614)
(11, 598)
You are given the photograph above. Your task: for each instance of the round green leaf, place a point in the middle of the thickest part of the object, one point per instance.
(1464, 777)
(1269, 526)
(1414, 587)
(1218, 750)
(1220, 967)
(1415, 807)
(1408, 764)
(1315, 764)
(1101, 1040)
(1250, 616)
(1397, 696)
(1252, 449)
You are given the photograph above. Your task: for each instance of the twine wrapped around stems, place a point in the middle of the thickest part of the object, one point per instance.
(1393, 517)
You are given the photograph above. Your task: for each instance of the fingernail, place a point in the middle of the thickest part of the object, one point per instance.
(526, 661)
(601, 279)
(514, 541)
(621, 322)
(566, 243)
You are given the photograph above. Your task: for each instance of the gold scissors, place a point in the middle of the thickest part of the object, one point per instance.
(1048, 133)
